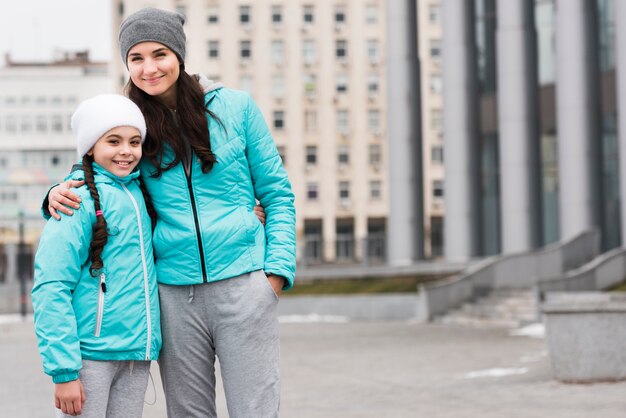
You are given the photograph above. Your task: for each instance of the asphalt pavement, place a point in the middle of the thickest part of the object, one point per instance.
(331, 368)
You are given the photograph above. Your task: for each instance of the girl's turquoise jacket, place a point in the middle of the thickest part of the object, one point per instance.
(113, 316)
(206, 229)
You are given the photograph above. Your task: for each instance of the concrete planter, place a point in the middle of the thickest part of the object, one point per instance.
(586, 336)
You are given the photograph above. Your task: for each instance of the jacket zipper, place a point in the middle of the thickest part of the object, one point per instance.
(145, 273)
(102, 288)
(195, 218)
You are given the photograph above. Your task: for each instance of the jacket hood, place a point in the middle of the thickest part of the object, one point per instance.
(207, 84)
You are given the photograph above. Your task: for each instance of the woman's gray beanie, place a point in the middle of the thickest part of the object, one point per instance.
(153, 25)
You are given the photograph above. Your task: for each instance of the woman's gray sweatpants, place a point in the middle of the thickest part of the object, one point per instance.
(114, 389)
(235, 320)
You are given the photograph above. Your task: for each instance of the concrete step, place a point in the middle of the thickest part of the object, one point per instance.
(501, 308)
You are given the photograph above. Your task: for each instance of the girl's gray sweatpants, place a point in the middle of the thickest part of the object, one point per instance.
(235, 320)
(114, 389)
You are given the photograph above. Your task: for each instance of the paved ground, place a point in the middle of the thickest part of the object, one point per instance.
(370, 369)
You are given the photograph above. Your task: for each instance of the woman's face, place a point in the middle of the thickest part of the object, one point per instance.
(154, 68)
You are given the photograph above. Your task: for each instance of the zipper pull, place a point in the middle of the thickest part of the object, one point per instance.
(103, 284)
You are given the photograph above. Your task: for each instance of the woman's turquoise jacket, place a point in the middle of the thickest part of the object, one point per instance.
(206, 229)
(114, 315)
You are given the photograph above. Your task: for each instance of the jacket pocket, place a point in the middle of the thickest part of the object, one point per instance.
(100, 312)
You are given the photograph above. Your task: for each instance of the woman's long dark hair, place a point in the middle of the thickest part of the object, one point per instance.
(163, 129)
(100, 235)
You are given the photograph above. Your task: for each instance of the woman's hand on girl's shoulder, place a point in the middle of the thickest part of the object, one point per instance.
(61, 198)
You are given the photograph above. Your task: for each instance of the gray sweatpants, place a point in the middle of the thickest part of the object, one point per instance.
(114, 389)
(235, 320)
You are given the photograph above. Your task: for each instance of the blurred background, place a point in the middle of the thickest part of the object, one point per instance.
(365, 98)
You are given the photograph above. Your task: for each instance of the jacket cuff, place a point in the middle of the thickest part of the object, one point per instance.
(65, 377)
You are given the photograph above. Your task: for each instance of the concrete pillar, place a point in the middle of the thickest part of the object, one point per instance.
(620, 51)
(517, 125)
(405, 236)
(576, 103)
(460, 117)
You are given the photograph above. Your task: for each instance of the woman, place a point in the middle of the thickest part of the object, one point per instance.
(208, 155)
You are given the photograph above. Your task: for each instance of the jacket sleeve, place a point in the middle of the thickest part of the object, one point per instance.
(273, 189)
(62, 251)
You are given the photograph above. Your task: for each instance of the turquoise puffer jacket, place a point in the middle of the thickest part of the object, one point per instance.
(206, 229)
(114, 316)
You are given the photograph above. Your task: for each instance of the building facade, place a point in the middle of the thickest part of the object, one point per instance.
(317, 71)
(37, 148)
(532, 124)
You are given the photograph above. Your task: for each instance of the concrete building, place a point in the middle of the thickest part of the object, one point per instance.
(37, 148)
(317, 71)
(534, 137)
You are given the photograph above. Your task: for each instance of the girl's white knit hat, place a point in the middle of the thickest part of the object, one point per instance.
(96, 116)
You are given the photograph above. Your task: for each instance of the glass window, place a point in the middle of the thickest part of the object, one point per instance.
(375, 154)
(373, 121)
(436, 154)
(342, 121)
(341, 49)
(26, 124)
(244, 15)
(278, 86)
(373, 50)
(308, 51)
(310, 121)
(436, 119)
(435, 83)
(311, 154)
(372, 84)
(307, 14)
(41, 123)
(343, 154)
(57, 123)
(341, 83)
(245, 49)
(375, 189)
(278, 51)
(246, 83)
(344, 190)
(311, 191)
(279, 120)
(214, 49)
(434, 11)
(371, 14)
(435, 49)
(437, 188)
(213, 16)
(310, 85)
(11, 124)
(340, 14)
(277, 14)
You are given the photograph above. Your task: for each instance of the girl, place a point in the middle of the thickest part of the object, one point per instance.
(95, 295)
(207, 157)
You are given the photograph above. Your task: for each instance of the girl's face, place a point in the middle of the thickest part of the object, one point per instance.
(154, 68)
(118, 151)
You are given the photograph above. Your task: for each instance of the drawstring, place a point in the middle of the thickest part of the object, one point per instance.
(153, 391)
(131, 366)
(190, 298)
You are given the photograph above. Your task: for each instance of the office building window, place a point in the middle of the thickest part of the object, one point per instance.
(344, 248)
(41, 123)
(340, 14)
(245, 50)
(435, 83)
(214, 49)
(343, 125)
(371, 14)
(246, 83)
(435, 49)
(375, 189)
(277, 15)
(278, 86)
(279, 120)
(310, 85)
(344, 190)
(57, 123)
(278, 52)
(436, 153)
(372, 84)
(308, 51)
(310, 121)
(341, 49)
(434, 13)
(375, 154)
(341, 83)
(312, 191)
(343, 154)
(313, 240)
(213, 16)
(307, 15)
(373, 121)
(311, 155)
(437, 189)
(373, 50)
(244, 15)
(436, 120)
